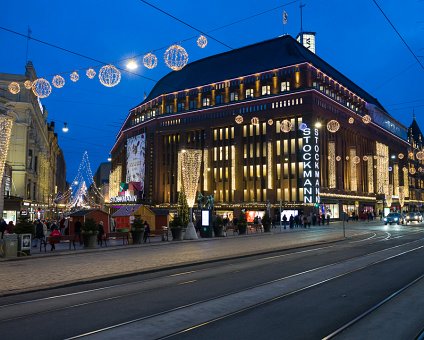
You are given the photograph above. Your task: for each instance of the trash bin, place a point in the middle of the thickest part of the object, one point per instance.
(24, 245)
(206, 231)
(9, 246)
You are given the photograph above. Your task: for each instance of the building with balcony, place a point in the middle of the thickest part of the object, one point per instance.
(38, 169)
(276, 125)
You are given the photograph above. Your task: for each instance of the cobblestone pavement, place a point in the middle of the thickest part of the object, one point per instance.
(64, 267)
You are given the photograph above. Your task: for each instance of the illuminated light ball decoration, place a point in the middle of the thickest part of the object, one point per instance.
(27, 84)
(176, 57)
(58, 81)
(375, 156)
(90, 73)
(286, 126)
(412, 171)
(329, 158)
(401, 155)
(74, 76)
(411, 155)
(270, 122)
(420, 169)
(333, 126)
(150, 61)
(41, 88)
(202, 41)
(420, 155)
(356, 159)
(365, 158)
(303, 126)
(405, 169)
(109, 76)
(351, 120)
(255, 121)
(338, 158)
(347, 158)
(239, 119)
(14, 87)
(366, 119)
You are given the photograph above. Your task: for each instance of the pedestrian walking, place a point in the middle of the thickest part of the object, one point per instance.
(291, 222)
(3, 226)
(39, 234)
(146, 232)
(100, 233)
(296, 221)
(284, 221)
(54, 238)
(328, 219)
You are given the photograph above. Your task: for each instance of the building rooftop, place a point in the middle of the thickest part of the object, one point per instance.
(259, 57)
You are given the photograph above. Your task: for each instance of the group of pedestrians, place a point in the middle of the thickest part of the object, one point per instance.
(6, 228)
(305, 221)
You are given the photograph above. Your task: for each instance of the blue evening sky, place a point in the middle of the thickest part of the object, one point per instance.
(353, 36)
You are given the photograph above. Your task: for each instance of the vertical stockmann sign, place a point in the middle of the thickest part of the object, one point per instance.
(136, 147)
(310, 156)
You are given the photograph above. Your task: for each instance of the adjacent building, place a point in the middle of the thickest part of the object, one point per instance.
(276, 125)
(38, 169)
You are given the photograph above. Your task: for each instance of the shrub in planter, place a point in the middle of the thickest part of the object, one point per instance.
(266, 223)
(89, 233)
(137, 230)
(242, 224)
(218, 226)
(176, 226)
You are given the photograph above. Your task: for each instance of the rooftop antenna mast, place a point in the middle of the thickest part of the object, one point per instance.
(301, 16)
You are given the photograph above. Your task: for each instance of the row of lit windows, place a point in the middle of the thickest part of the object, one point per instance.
(223, 133)
(285, 103)
(330, 93)
(170, 122)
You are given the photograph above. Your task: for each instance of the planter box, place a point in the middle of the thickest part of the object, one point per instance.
(89, 241)
(137, 236)
(177, 234)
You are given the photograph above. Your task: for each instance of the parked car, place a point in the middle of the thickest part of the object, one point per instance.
(413, 217)
(393, 218)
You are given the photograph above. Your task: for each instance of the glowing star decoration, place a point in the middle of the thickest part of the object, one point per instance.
(58, 81)
(14, 87)
(338, 158)
(333, 126)
(239, 119)
(351, 120)
(270, 122)
(401, 156)
(255, 121)
(176, 57)
(6, 123)
(365, 158)
(150, 61)
(41, 88)
(366, 119)
(202, 41)
(286, 126)
(109, 76)
(412, 171)
(420, 155)
(27, 84)
(74, 76)
(90, 73)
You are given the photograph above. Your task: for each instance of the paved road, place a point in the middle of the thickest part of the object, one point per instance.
(311, 291)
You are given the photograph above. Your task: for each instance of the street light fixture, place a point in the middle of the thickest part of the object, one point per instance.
(65, 128)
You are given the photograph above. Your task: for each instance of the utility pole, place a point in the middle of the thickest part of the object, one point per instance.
(301, 16)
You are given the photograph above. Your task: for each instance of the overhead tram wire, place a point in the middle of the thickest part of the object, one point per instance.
(74, 53)
(400, 36)
(185, 23)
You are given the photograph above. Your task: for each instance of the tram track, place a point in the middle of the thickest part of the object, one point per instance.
(186, 316)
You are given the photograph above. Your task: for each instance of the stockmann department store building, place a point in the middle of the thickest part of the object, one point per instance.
(274, 123)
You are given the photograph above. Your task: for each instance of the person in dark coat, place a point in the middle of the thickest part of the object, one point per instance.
(77, 231)
(291, 221)
(284, 221)
(100, 233)
(39, 233)
(3, 226)
(146, 232)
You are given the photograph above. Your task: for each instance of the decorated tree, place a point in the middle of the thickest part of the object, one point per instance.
(183, 208)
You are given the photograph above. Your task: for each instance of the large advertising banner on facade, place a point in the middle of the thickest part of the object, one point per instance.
(311, 170)
(136, 151)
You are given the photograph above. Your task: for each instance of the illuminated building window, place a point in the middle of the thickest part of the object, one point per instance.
(251, 174)
(180, 107)
(266, 89)
(258, 149)
(286, 147)
(277, 126)
(258, 171)
(215, 153)
(215, 133)
(294, 194)
(278, 171)
(257, 130)
(249, 93)
(215, 174)
(264, 195)
(264, 147)
(285, 86)
(220, 153)
(220, 134)
(279, 198)
(244, 151)
(301, 194)
(245, 171)
(293, 146)
(245, 195)
(258, 194)
(264, 128)
(220, 174)
(278, 148)
(169, 109)
(251, 130)
(226, 153)
(251, 150)
(244, 131)
(206, 101)
(218, 99)
(232, 132)
(234, 96)
(193, 104)
(226, 133)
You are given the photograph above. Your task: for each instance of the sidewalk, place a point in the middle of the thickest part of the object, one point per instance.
(46, 271)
